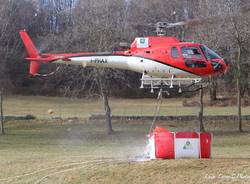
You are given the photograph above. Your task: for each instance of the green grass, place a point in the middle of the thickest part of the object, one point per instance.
(56, 151)
(81, 152)
(66, 107)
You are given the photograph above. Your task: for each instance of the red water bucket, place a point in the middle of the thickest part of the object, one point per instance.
(172, 145)
(164, 143)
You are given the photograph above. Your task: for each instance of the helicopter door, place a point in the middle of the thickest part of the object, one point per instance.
(193, 57)
(175, 54)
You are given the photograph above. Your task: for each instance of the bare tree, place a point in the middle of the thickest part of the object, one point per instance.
(240, 36)
(98, 26)
(239, 73)
(104, 92)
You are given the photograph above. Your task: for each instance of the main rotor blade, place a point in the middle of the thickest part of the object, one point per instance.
(183, 23)
(207, 20)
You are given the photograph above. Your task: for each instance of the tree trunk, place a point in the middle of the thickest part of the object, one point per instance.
(1, 111)
(104, 93)
(213, 89)
(201, 126)
(239, 105)
(238, 75)
(107, 113)
(239, 90)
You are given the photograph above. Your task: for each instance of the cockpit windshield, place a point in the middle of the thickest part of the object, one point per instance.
(210, 54)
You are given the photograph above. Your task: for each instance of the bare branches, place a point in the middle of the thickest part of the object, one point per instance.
(87, 25)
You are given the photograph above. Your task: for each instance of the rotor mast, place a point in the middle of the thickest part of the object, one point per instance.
(161, 27)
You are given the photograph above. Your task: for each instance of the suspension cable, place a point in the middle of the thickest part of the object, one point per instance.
(157, 110)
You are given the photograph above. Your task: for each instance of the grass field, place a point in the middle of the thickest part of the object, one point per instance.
(80, 152)
(65, 107)
(55, 151)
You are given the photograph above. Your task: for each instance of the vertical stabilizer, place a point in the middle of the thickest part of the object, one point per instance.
(31, 51)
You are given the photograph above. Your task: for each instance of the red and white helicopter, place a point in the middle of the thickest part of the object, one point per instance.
(160, 59)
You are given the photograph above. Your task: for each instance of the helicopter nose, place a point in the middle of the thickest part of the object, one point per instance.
(220, 65)
(227, 62)
(227, 65)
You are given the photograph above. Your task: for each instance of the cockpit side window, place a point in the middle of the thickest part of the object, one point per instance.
(191, 53)
(174, 52)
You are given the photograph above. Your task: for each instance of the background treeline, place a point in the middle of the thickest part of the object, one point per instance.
(100, 25)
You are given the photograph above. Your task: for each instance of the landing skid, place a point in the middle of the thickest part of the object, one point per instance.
(156, 83)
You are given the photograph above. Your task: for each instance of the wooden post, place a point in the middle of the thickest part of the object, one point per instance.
(201, 126)
(1, 113)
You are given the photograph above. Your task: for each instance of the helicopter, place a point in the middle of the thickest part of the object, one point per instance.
(162, 60)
